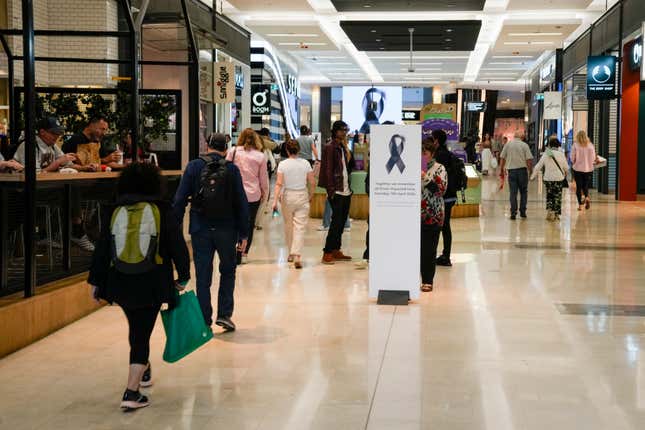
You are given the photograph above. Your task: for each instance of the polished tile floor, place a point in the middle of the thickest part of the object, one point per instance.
(527, 330)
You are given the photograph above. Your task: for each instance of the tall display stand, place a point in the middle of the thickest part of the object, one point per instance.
(395, 211)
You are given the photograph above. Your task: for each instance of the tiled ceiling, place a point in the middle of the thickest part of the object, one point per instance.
(427, 36)
(367, 41)
(410, 5)
(297, 37)
(548, 4)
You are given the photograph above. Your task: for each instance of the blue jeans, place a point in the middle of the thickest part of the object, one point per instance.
(327, 216)
(518, 180)
(205, 243)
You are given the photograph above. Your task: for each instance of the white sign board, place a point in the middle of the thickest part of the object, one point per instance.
(224, 88)
(553, 105)
(395, 209)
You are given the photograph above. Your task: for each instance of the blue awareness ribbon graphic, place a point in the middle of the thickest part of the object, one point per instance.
(395, 153)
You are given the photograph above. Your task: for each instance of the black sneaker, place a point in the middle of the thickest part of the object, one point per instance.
(225, 323)
(133, 400)
(513, 217)
(523, 216)
(146, 379)
(444, 261)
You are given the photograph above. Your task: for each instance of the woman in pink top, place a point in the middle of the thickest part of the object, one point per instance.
(583, 158)
(252, 162)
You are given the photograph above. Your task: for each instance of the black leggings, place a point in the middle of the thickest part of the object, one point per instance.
(253, 214)
(141, 321)
(583, 182)
(429, 242)
(446, 231)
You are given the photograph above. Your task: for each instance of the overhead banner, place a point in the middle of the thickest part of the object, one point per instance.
(260, 99)
(553, 105)
(601, 77)
(395, 209)
(224, 88)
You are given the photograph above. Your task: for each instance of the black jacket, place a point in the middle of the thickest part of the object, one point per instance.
(445, 158)
(151, 288)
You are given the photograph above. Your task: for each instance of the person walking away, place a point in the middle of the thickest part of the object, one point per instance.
(486, 155)
(496, 148)
(555, 166)
(453, 165)
(518, 160)
(434, 183)
(139, 281)
(334, 177)
(268, 147)
(295, 188)
(583, 158)
(247, 155)
(308, 150)
(219, 220)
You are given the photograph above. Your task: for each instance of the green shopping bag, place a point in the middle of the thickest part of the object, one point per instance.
(185, 328)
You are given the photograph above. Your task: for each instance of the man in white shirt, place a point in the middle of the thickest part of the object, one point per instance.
(518, 160)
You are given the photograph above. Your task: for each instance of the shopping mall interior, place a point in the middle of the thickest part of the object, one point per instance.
(431, 216)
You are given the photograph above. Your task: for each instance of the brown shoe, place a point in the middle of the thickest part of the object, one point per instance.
(328, 258)
(297, 264)
(338, 255)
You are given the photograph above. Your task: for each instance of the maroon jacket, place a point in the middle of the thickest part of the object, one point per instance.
(331, 168)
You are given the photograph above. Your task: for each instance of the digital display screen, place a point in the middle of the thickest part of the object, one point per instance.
(601, 77)
(366, 106)
(476, 106)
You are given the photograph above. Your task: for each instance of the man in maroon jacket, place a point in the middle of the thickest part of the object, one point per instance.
(334, 177)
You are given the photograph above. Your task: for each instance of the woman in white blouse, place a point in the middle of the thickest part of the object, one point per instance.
(555, 168)
(294, 187)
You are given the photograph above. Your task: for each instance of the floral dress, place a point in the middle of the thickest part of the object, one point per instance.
(433, 186)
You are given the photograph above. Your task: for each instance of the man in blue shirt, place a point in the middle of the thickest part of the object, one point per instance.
(209, 236)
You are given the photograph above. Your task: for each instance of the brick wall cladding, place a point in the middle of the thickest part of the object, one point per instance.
(95, 15)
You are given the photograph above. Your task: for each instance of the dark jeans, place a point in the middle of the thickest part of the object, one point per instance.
(366, 254)
(339, 213)
(518, 180)
(205, 244)
(253, 214)
(429, 243)
(583, 182)
(446, 231)
(141, 321)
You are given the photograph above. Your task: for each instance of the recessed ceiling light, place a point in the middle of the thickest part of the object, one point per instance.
(528, 43)
(449, 30)
(302, 43)
(447, 48)
(381, 48)
(373, 31)
(367, 5)
(448, 40)
(378, 40)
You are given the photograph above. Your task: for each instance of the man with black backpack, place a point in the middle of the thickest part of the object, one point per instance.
(219, 214)
(457, 181)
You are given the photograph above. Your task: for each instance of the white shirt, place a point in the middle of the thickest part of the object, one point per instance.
(551, 171)
(346, 191)
(294, 171)
(41, 149)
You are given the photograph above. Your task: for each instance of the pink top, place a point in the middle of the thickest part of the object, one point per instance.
(583, 157)
(253, 167)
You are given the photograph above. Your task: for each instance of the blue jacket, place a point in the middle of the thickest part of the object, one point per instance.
(189, 186)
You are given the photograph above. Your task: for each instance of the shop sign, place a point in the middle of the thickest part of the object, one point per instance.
(553, 105)
(411, 115)
(636, 54)
(547, 72)
(539, 96)
(579, 100)
(601, 77)
(439, 110)
(260, 99)
(224, 89)
(293, 86)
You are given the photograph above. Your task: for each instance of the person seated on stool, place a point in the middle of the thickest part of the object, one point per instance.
(87, 145)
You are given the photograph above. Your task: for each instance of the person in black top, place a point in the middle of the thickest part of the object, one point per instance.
(446, 159)
(93, 134)
(140, 295)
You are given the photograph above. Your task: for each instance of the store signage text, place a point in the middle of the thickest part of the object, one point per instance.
(261, 100)
(411, 115)
(601, 77)
(293, 86)
(225, 82)
(239, 79)
(636, 54)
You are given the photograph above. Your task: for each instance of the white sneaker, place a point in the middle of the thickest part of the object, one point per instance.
(84, 243)
(323, 228)
(347, 230)
(362, 265)
(245, 259)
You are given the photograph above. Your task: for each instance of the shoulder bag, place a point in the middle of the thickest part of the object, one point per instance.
(565, 183)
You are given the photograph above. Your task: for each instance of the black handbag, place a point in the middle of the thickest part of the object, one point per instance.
(565, 183)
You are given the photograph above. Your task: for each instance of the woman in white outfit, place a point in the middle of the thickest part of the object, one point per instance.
(294, 188)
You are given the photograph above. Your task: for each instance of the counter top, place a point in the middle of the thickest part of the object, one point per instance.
(62, 177)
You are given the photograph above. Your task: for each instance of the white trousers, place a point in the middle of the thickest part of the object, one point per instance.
(295, 211)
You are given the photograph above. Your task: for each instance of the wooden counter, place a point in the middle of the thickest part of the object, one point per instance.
(71, 177)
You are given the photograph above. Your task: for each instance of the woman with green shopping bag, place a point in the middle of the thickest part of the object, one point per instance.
(133, 266)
